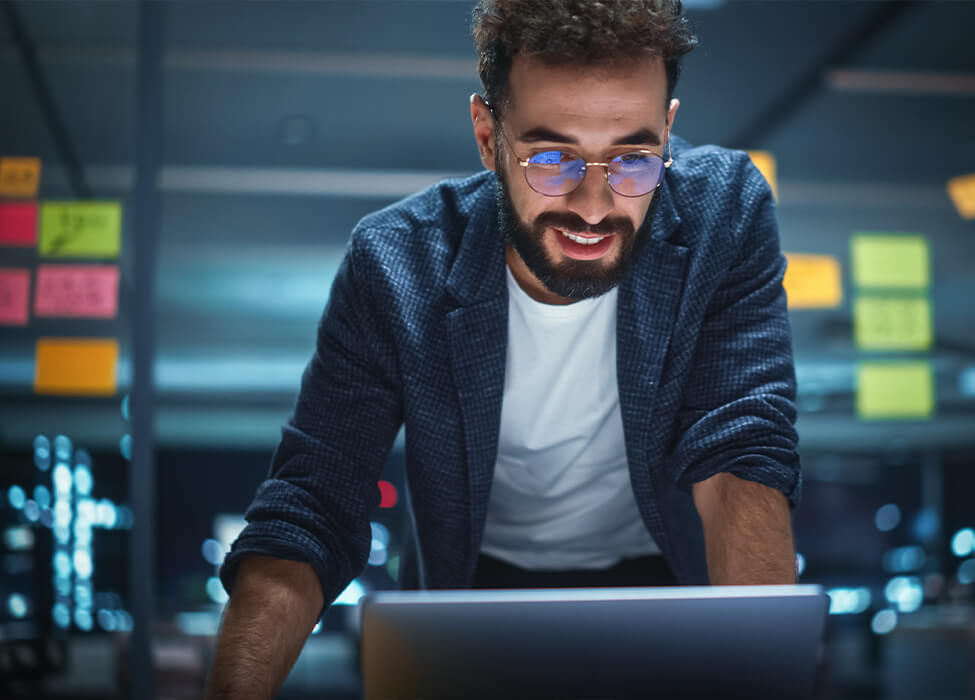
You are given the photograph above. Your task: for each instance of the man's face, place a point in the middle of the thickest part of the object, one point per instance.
(597, 112)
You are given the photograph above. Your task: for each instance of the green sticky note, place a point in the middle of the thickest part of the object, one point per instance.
(892, 261)
(80, 229)
(895, 390)
(892, 323)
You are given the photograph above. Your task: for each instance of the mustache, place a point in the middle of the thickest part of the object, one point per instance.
(573, 223)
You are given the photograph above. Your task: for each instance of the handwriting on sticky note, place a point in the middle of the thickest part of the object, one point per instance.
(895, 390)
(14, 291)
(76, 366)
(962, 193)
(890, 261)
(18, 223)
(83, 291)
(892, 323)
(765, 162)
(81, 229)
(813, 281)
(19, 177)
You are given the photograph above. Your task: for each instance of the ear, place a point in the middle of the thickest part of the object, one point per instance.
(671, 115)
(483, 123)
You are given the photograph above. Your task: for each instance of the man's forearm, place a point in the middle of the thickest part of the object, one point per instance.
(271, 612)
(747, 532)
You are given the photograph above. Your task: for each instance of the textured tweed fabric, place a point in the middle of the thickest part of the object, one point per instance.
(414, 333)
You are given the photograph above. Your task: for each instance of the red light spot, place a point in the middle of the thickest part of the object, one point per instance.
(389, 495)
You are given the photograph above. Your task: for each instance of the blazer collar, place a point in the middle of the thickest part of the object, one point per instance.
(478, 271)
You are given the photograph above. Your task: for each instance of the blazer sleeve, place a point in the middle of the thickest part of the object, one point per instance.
(738, 412)
(314, 506)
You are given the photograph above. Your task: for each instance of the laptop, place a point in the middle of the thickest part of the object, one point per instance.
(754, 642)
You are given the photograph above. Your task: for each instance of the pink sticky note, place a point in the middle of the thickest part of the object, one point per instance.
(14, 290)
(80, 291)
(18, 223)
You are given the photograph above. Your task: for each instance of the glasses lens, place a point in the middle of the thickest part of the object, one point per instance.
(635, 174)
(555, 173)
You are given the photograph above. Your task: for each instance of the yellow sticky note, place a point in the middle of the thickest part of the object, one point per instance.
(890, 261)
(962, 193)
(80, 229)
(892, 323)
(895, 390)
(19, 177)
(765, 162)
(76, 366)
(813, 281)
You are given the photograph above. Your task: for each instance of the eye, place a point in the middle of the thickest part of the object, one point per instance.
(633, 157)
(552, 158)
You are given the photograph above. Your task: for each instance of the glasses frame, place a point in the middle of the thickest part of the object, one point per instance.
(524, 163)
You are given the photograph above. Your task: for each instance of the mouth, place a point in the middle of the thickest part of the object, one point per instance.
(584, 246)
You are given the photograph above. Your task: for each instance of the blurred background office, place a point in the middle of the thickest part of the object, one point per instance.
(179, 181)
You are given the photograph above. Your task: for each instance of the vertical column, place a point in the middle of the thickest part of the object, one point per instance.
(152, 18)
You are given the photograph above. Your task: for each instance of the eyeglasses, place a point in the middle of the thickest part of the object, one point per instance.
(556, 173)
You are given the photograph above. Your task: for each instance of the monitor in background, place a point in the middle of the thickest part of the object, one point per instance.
(753, 642)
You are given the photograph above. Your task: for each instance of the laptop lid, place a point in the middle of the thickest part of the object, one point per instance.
(752, 642)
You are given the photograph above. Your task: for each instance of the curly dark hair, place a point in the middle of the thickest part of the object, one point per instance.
(576, 31)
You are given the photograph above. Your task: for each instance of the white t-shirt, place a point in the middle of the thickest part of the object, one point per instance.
(561, 496)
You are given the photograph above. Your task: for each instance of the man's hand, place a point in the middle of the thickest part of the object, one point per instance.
(747, 531)
(272, 611)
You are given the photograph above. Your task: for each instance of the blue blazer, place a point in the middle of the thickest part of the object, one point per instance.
(415, 333)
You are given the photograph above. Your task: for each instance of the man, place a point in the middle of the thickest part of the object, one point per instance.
(589, 350)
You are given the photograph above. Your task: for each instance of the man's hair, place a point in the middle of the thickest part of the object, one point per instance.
(576, 32)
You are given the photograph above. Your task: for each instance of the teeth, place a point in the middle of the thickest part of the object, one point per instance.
(583, 241)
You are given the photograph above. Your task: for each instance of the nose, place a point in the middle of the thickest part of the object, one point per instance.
(593, 198)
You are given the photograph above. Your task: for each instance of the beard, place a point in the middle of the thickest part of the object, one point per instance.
(572, 279)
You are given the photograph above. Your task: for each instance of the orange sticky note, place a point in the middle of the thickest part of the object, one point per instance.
(83, 291)
(765, 162)
(76, 366)
(19, 177)
(14, 290)
(813, 281)
(962, 193)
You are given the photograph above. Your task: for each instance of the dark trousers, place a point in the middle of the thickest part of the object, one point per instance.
(640, 571)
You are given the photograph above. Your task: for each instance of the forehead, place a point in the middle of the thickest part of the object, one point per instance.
(612, 97)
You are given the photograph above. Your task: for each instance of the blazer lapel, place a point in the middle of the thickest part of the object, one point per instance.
(477, 337)
(646, 313)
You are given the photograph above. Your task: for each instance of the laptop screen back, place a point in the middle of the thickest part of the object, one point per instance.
(702, 642)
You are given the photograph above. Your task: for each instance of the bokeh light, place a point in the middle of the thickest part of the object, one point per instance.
(216, 592)
(887, 517)
(17, 605)
(16, 497)
(905, 593)
(963, 542)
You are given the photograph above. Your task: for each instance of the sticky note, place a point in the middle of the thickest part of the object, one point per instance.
(962, 193)
(19, 177)
(892, 323)
(83, 291)
(765, 162)
(895, 390)
(813, 281)
(890, 261)
(18, 223)
(76, 366)
(81, 229)
(14, 291)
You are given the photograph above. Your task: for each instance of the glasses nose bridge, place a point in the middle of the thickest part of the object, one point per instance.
(594, 200)
(585, 171)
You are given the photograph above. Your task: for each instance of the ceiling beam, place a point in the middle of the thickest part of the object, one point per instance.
(797, 93)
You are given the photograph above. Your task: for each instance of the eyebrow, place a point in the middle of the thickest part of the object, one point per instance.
(541, 133)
